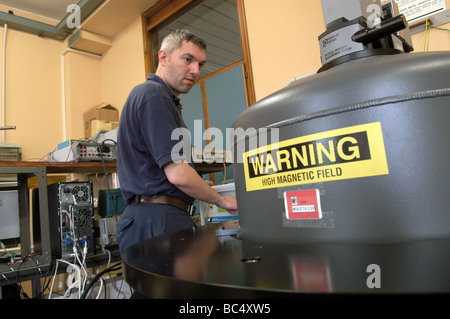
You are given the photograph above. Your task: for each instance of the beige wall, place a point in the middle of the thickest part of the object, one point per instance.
(34, 86)
(82, 89)
(283, 43)
(123, 65)
(91, 81)
(33, 92)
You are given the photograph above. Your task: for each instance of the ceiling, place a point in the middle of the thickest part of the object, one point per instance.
(114, 15)
(103, 17)
(215, 21)
(51, 9)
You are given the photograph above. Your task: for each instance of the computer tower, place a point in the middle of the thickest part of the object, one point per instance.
(71, 214)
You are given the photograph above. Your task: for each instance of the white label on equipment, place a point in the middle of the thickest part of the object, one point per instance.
(338, 43)
(415, 10)
(304, 209)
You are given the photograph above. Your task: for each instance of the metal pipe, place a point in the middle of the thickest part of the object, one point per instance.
(3, 81)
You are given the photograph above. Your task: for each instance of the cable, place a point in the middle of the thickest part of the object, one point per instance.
(428, 27)
(19, 283)
(69, 289)
(426, 43)
(443, 29)
(118, 289)
(71, 285)
(79, 265)
(98, 276)
(113, 284)
(47, 277)
(102, 283)
(53, 281)
(82, 265)
(4, 80)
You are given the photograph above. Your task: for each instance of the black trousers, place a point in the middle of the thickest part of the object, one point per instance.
(146, 220)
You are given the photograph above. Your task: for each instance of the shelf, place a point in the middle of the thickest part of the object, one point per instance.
(55, 167)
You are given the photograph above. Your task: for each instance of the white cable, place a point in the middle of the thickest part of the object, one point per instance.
(71, 283)
(109, 256)
(82, 268)
(83, 274)
(85, 251)
(119, 290)
(53, 281)
(102, 281)
(3, 82)
(71, 287)
(101, 287)
(82, 265)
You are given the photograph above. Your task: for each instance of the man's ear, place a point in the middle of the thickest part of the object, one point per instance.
(163, 55)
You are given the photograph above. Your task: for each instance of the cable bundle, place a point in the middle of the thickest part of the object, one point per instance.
(79, 277)
(78, 272)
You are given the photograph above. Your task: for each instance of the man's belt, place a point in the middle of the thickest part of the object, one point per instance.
(168, 200)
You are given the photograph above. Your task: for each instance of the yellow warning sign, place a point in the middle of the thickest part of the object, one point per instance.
(345, 153)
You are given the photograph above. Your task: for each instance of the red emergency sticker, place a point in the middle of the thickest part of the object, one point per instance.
(304, 204)
(311, 275)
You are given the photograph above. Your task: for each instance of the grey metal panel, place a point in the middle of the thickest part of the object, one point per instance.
(408, 95)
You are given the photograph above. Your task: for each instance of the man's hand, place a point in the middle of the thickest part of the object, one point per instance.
(230, 204)
(183, 176)
(210, 183)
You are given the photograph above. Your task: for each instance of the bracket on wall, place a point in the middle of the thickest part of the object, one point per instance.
(58, 32)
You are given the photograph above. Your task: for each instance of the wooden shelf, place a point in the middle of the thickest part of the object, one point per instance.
(72, 167)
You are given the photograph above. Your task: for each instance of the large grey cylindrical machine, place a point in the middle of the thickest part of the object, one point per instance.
(363, 145)
(340, 177)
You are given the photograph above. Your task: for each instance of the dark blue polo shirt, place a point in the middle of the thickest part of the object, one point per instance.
(150, 115)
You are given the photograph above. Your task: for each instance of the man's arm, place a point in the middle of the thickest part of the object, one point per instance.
(183, 176)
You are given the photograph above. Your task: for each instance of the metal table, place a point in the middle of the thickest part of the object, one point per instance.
(208, 263)
(32, 268)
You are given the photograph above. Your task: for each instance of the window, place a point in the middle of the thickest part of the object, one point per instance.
(220, 22)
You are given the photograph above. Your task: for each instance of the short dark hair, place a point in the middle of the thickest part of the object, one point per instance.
(175, 39)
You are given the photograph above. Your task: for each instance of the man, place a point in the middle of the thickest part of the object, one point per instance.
(157, 184)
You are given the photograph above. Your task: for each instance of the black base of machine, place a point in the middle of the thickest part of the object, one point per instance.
(212, 262)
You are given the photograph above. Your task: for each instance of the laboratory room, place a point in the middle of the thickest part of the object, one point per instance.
(303, 151)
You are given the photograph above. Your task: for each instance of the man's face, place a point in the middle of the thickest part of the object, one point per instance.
(182, 67)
